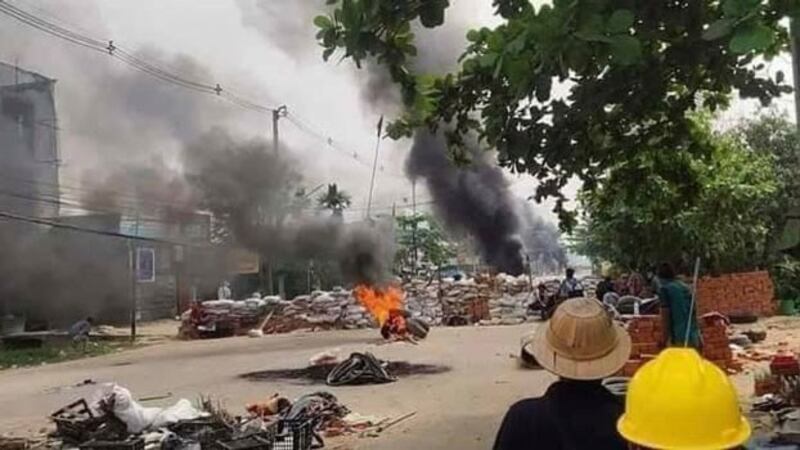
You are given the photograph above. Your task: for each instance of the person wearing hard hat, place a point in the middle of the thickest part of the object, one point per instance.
(582, 345)
(680, 401)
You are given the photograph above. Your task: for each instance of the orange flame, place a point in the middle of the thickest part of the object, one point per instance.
(379, 302)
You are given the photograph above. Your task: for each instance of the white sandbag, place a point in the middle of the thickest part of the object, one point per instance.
(182, 410)
(136, 417)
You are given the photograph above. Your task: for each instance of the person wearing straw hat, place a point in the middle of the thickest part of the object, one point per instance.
(582, 345)
(677, 308)
(680, 401)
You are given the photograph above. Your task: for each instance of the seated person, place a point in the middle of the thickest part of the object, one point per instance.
(570, 287)
(79, 331)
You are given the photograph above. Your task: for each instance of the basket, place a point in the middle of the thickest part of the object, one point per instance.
(252, 442)
(204, 431)
(294, 435)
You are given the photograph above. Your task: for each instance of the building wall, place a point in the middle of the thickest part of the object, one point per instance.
(28, 144)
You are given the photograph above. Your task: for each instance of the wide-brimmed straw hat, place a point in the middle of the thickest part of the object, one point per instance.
(581, 342)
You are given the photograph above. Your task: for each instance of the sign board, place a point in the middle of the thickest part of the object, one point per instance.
(243, 261)
(145, 265)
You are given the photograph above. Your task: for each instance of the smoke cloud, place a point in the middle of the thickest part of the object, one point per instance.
(254, 192)
(473, 198)
(541, 241)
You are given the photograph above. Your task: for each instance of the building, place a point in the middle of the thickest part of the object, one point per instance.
(29, 183)
(172, 263)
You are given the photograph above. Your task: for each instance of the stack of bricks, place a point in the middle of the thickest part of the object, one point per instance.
(716, 346)
(647, 338)
(737, 294)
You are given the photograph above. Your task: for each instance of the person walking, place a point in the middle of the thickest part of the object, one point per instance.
(680, 401)
(582, 345)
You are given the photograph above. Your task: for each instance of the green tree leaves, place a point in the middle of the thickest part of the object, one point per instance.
(632, 69)
(718, 29)
(676, 205)
(757, 37)
(620, 21)
(626, 50)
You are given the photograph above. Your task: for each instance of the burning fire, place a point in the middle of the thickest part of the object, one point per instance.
(386, 306)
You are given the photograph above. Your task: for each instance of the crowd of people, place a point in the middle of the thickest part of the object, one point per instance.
(677, 401)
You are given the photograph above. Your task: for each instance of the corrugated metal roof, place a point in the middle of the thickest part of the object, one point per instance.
(11, 75)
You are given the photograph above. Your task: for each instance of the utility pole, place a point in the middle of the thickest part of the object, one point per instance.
(374, 167)
(795, 38)
(277, 113)
(414, 222)
(134, 306)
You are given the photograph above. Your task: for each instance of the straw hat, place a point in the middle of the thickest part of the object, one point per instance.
(581, 342)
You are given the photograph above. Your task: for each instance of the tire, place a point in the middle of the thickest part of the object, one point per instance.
(417, 328)
(743, 318)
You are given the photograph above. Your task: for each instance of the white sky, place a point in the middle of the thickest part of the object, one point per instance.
(214, 33)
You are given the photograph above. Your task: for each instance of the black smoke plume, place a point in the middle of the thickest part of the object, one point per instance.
(541, 242)
(474, 198)
(253, 192)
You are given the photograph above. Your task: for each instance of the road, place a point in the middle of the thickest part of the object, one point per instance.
(460, 408)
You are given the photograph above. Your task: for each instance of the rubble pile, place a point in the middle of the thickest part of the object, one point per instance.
(114, 420)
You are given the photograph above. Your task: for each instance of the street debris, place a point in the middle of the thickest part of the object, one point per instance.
(319, 374)
(327, 357)
(113, 420)
(359, 368)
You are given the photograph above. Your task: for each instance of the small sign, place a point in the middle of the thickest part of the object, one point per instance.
(145, 265)
(243, 262)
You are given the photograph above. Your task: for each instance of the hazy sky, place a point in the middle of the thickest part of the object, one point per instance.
(111, 115)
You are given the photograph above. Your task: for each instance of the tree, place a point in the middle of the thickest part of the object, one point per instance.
(674, 206)
(632, 69)
(335, 200)
(774, 137)
(421, 239)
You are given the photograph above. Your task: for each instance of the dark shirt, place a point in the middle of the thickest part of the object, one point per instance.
(603, 288)
(572, 415)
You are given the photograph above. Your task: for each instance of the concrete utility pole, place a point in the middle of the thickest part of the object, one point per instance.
(133, 303)
(794, 36)
(277, 113)
(374, 167)
(414, 223)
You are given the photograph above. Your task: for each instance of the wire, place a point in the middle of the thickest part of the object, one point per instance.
(128, 58)
(50, 223)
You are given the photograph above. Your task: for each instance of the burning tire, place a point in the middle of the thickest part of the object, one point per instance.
(417, 328)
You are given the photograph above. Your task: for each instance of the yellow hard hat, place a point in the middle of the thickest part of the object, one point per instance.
(679, 401)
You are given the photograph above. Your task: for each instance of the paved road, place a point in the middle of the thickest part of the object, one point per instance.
(457, 409)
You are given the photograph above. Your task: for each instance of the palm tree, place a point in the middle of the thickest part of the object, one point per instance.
(335, 200)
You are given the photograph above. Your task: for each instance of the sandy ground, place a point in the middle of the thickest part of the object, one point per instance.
(457, 409)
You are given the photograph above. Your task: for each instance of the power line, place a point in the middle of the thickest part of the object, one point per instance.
(156, 71)
(121, 54)
(50, 223)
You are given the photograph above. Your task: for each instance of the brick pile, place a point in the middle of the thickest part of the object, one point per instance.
(737, 294)
(716, 346)
(647, 337)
